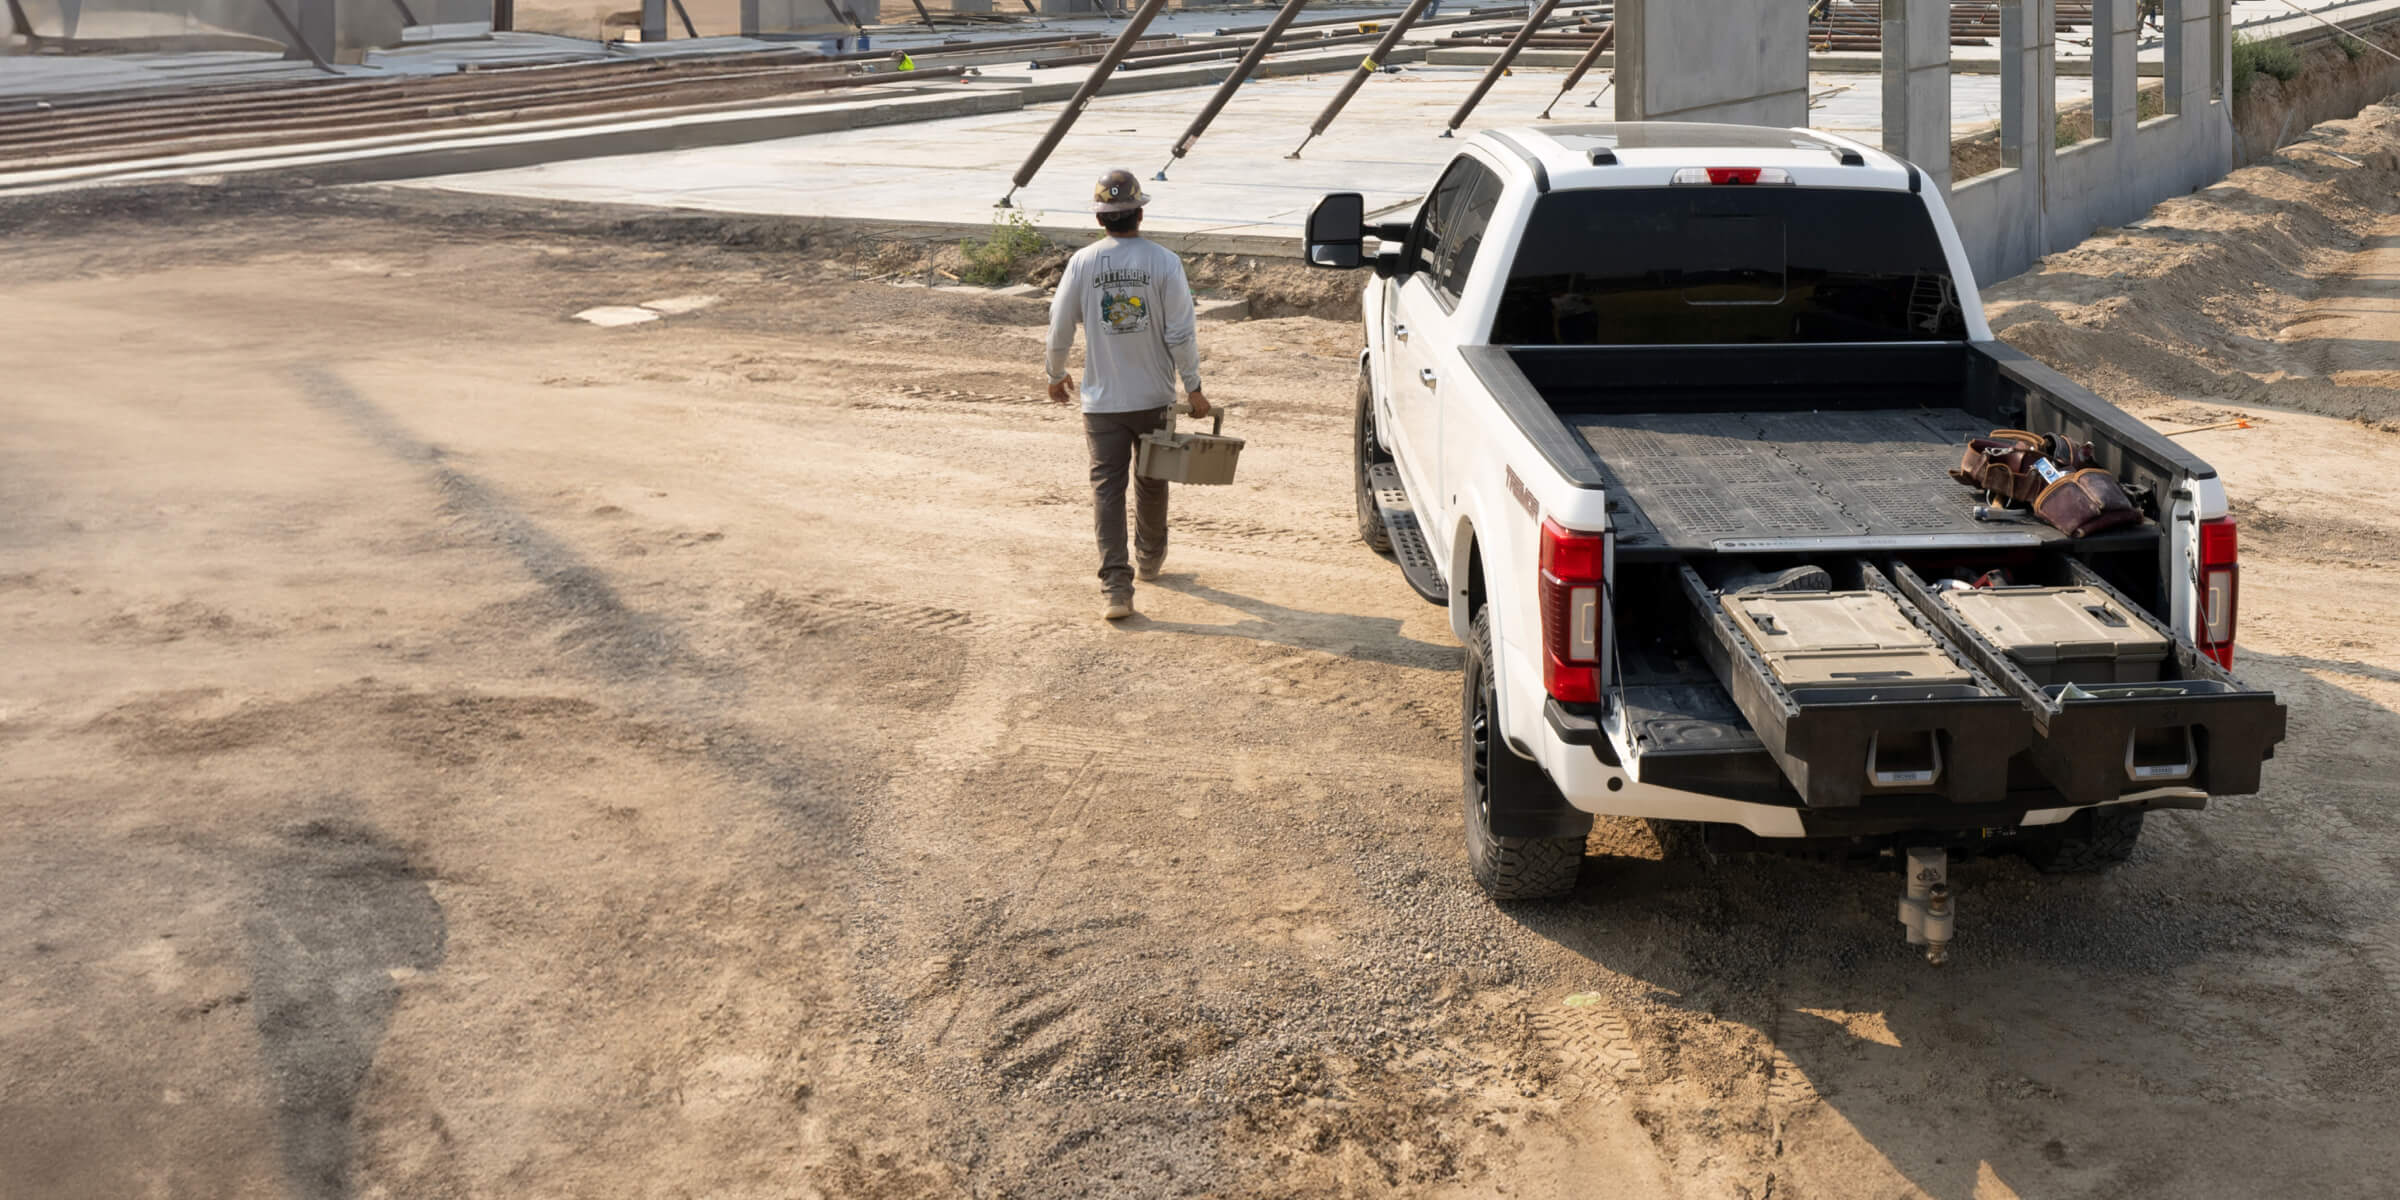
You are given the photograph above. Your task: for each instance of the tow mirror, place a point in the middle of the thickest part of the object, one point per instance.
(1337, 232)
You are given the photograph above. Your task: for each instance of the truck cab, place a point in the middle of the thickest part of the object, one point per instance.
(1614, 376)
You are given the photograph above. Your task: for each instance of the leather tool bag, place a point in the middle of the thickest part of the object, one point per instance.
(2083, 500)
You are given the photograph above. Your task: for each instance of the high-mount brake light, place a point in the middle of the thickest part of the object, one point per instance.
(2220, 588)
(1573, 570)
(1733, 175)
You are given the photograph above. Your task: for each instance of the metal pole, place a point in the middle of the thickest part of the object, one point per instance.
(1241, 71)
(688, 29)
(1083, 96)
(1607, 38)
(1499, 66)
(1358, 74)
(406, 17)
(654, 21)
(927, 17)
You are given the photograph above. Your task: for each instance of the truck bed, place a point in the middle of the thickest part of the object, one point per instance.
(1793, 481)
(1802, 449)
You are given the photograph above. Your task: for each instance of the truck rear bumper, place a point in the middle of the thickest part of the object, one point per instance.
(1596, 787)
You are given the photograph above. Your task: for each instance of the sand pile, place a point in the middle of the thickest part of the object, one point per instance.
(2224, 294)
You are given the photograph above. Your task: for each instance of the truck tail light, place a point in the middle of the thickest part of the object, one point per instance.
(1735, 175)
(1572, 573)
(2220, 588)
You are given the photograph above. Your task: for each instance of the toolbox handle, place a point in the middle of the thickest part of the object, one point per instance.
(1217, 429)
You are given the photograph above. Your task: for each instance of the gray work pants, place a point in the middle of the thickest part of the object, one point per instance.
(1114, 438)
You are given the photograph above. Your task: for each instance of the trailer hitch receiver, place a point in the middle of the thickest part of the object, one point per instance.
(1926, 908)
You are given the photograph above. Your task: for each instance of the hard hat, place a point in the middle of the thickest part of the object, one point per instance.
(1117, 192)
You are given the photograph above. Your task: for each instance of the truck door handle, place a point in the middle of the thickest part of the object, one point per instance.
(1425, 376)
(1400, 332)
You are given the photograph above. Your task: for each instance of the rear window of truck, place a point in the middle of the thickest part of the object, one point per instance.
(1728, 264)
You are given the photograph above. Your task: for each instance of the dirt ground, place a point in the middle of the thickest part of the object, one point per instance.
(448, 749)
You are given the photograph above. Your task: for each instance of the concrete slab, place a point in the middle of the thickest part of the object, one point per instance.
(1236, 187)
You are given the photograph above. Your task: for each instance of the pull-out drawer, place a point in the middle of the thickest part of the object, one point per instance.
(2196, 726)
(1948, 736)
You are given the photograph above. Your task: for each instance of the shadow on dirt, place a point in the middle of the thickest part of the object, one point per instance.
(1366, 639)
(342, 913)
(2240, 969)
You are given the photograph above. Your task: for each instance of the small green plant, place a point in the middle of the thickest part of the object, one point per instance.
(2255, 56)
(993, 260)
(2352, 46)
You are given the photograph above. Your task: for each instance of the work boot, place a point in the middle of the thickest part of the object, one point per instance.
(1119, 608)
(1147, 569)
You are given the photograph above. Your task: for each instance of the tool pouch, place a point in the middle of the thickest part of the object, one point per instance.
(2084, 502)
(2003, 464)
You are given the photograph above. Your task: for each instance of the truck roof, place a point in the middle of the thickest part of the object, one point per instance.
(1648, 153)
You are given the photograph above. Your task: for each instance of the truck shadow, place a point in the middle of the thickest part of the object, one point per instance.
(1366, 639)
(2213, 1017)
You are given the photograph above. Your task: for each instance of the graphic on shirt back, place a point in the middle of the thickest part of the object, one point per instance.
(1121, 309)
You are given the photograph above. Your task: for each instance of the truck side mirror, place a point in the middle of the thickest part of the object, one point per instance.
(1337, 232)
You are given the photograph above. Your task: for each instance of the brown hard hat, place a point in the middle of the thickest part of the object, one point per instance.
(1117, 192)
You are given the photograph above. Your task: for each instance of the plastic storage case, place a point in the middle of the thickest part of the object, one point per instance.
(2064, 634)
(1207, 458)
(1839, 640)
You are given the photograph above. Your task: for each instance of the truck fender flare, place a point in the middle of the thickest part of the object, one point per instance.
(1462, 560)
(1463, 564)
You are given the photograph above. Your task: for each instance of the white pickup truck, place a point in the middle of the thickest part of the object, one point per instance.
(1611, 371)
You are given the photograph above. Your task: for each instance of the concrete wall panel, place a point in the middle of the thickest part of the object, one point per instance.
(1744, 61)
(2045, 199)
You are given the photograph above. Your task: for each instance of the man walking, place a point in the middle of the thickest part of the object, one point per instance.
(1135, 306)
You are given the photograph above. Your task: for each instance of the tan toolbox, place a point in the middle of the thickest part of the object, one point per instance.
(2063, 634)
(1189, 457)
(1839, 639)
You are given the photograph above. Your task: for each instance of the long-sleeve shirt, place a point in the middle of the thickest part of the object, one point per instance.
(1135, 306)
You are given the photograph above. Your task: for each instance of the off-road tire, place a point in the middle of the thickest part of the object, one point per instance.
(2105, 842)
(1508, 868)
(1366, 454)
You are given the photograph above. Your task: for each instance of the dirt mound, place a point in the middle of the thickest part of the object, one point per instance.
(2205, 296)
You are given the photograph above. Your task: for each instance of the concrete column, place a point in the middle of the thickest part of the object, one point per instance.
(1741, 61)
(2115, 80)
(1916, 84)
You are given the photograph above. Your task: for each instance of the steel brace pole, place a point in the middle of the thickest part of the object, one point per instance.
(1241, 72)
(1358, 75)
(1499, 66)
(1083, 96)
(1600, 45)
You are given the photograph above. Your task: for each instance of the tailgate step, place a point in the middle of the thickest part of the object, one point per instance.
(1408, 537)
(2188, 724)
(1845, 736)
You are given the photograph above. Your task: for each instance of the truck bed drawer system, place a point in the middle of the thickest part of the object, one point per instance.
(1897, 688)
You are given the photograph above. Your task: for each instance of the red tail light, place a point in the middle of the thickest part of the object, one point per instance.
(2220, 589)
(1573, 569)
(1732, 175)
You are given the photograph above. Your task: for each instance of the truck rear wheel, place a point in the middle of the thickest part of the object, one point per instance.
(1508, 868)
(1370, 518)
(2095, 841)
